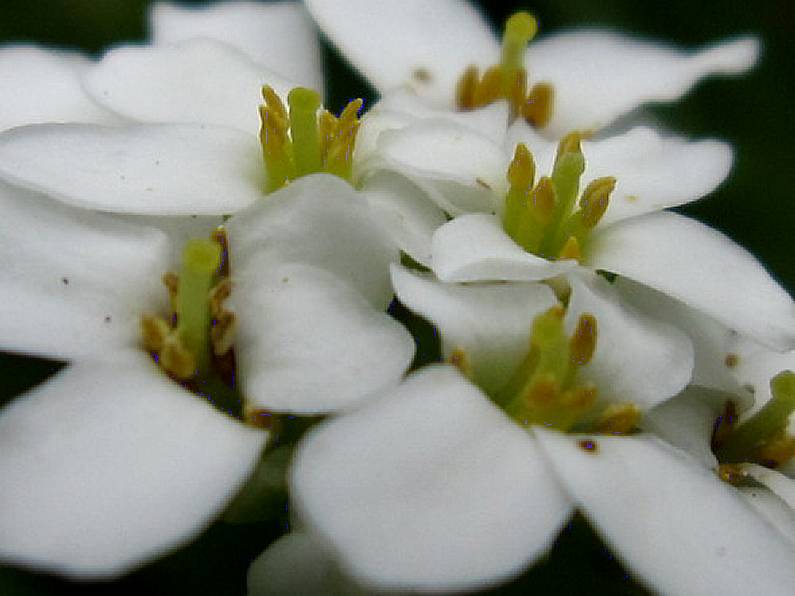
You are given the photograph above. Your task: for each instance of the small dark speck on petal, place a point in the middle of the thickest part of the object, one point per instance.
(588, 445)
(107, 319)
(65, 281)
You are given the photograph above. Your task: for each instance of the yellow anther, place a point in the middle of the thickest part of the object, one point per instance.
(542, 200)
(460, 359)
(222, 334)
(777, 451)
(570, 144)
(580, 399)
(544, 392)
(571, 250)
(618, 419)
(171, 281)
(276, 147)
(734, 474)
(595, 200)
(466, 88)
(489, 88)
(220, 292)
(154, 331)
(327, 128)
(538, 105)
(177, 360)
(583, 340)
(522, 169)
(274, 102)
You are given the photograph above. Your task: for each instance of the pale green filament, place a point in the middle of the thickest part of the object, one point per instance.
(200, 262)
(520, 28)
(304, 104)
(764, 426)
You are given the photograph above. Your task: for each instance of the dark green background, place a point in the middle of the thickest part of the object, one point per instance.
(755, 207)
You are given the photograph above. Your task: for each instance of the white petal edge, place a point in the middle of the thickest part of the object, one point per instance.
(637, 359)
(109, 465)
(666, 517)
(153, 169)
(474, 247)
(75, 283)
(278, 35)
(199, 81)
(600, 75)
(424, 46)
(431, 488)
(43, 85)
(701, 267)
(491, 323)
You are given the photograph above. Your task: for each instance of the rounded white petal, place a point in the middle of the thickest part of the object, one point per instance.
(425, 46)
(599, 76)
(145, 169)
(673, 523)
(701, 267)
(772, 508)
(43, 85)
(474, 247)
(687, 421)
(461, 170)
(200, 81)
(490, 323)
(74, 282)
(295, 564)
(278, 35)
(309, 343)
(321, 221)
(778, 483)
(712, 341)
(637, 359)
(107, 466)
(431, 488)
(404, 213)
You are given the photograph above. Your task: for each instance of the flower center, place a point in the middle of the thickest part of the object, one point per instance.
(193, 345)
(541, 216)
(508, 80)
(307, 139)
(763, 438)
(544, 389)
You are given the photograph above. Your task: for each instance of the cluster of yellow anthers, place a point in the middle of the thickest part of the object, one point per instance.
(198, 327)
(508, 80)
(763, 438)
(541, 216)
(545, 391)
(304, 141)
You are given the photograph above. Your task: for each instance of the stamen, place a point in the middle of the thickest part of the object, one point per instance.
(200, 262)
(304, 104)
(466, 87)
(460, 359)
(766, 426)
(338, 159)
(521, 174)
(154, 332)
(537, 107)
(618, 419)
(176, 359)
(276, 145)
(583, 342)
(222, 334)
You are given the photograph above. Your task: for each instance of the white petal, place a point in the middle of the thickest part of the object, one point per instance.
(145, 169)
(772, 508)
(702, 268)
(199, 81)
(598, 75)
(653, 172)
(431, 488)
(461, 170)
(423, 45)
(278, 35)
(74, 282)
(321, 221)
(712, 341)
(672, 522)
(637, 359)
(687, 421)
(404, 213)
(295, 564)
(490, 323)
(781, 485)
(310, 343)
(107, 466)
(476, 248)
(42, 85)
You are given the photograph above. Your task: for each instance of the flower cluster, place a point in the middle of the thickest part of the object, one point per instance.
(223, 263)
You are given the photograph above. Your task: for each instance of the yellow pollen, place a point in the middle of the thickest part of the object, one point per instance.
(595, 199)
(537, 106)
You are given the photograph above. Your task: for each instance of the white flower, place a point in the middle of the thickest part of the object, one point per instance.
(110, 463)
(596, 75)
(190, 107)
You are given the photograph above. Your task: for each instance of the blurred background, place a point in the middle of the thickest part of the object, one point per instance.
(756, 207)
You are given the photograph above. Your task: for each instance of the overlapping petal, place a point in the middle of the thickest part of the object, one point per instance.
(111, 464)
(278, 35)
(666, 517)
(453, 495)
(702, 268)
